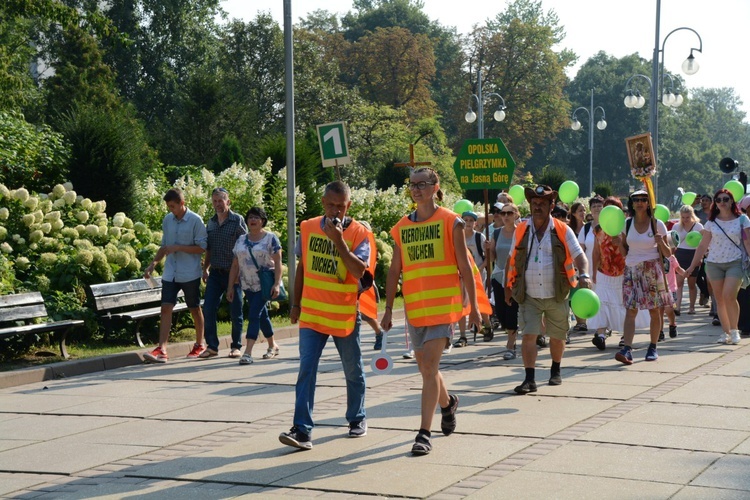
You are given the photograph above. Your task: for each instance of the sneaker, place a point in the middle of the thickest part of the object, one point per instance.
(661, 335)
(235, 353)
(296, 439)
(723, 338)
(555, 379)
(600, 341)
(207, 353)
(196, 351)
(246, 359)
(271, 353)
(448, 349)
(716, 321)
(624, 356)
(672, 331)
(526, 387)
(422, 445)
(358, 429)
(409, 354)
(378, 342)
(651, 354)
(158, 355)
(622, 342)
(567, 339)
(509, 354)
(735, 337)
(448, 419)
(581, 327)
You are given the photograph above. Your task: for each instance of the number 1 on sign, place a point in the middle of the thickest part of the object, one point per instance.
(334, 135)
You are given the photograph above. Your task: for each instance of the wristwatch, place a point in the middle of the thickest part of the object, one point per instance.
(584, 275)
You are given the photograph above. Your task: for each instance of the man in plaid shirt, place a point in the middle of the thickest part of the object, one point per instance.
(223, 230)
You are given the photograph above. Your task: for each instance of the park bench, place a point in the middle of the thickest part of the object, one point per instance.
(132, 300)
(19, 311)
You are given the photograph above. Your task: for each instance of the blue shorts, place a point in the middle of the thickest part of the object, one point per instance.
(192, 290)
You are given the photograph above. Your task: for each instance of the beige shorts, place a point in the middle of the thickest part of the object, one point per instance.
(556, 317)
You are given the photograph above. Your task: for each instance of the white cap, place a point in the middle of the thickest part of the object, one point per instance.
(498, 205)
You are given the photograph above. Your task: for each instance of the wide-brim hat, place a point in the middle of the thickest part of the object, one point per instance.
(541, 191)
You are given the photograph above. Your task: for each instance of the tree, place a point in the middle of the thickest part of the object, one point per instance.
(395, 67)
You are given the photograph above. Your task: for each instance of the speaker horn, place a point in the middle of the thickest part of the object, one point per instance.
(728, 165)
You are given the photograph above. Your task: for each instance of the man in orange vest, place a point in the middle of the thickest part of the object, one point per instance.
(540, 272)
(333, 252)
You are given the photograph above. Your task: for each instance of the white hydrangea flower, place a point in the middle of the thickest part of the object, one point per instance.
(69, 232)
(46, 227)
(82, 216)
(80, 228)
(58, 203)
(4, 213)
(84, 258)
(5, 247)
(69, 197)
(47, 258)
(68, 185)
(53, 216)
(34, 247)
(115, 232)
(43, 196)
(86, 203)
(21, 241)
(36, 236)
(28, 219)
(45, 205)
(102, 230)
(3, 232)
(79, 199)
(38, 216)
(21, 194)
(31, 203)
(4, 191)
(118, 220)
(22, 263)
(140, 228)
(92, 230)
(57, 224)
(58, 191)
(128, 223)
(127, 238)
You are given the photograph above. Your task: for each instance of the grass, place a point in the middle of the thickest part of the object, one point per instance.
(94, 348)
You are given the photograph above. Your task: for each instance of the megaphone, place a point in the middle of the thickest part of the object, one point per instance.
(728, 165)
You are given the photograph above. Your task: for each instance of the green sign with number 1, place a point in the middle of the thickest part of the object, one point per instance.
(334, 149)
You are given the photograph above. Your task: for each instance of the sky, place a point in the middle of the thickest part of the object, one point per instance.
(619, 29)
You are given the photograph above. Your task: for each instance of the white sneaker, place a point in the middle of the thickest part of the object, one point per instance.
(448, 349)
(409, 355)
(509, 354)
(735, 337)
(723, 338)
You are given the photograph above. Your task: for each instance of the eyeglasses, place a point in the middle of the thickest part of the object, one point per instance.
(420, 185)
(639, 200)
(254, 217)
(507, 213)
(722, 199)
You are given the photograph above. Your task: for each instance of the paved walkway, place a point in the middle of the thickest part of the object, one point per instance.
(675, 428)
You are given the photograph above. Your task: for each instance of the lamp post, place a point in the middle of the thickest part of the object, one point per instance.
(601, 125)
(690, 66)
(470, 116)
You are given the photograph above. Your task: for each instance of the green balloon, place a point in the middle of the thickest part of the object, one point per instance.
(693, 239)
(661, 213)
(568, 192)
(517, 193)
(688, 198)
(585, 303)
(735, 187)
(462, 206)
(612, 220)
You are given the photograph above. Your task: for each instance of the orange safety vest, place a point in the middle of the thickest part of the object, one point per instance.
(431, 284)
(561, 259)
(368, 302)
(329, 292)
(484, 303)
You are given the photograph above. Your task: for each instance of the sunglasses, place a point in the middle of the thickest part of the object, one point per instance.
(507, 213)
(639, 200)
(722, 199)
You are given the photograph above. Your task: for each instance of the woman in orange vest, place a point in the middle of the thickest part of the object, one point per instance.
(430, 251)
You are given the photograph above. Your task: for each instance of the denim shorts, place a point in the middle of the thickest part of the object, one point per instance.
(192, 290)
(718, 271)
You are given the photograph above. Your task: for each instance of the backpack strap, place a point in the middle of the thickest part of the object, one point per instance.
(478, 241)
(586, 229)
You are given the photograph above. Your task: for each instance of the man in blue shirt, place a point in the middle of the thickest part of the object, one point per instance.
(183, 242)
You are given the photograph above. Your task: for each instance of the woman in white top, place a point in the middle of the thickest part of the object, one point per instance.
(643, 284)
(499, 250)
(684, 254)
(724, 232)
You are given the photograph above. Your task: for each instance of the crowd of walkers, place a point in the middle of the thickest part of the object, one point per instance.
(441, 261)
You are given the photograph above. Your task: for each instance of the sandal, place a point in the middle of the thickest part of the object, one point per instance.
(246, 359)
(272, 352)
(461, 342)
(487, 333)
(581, 327)
(422, 445)
(691, 311)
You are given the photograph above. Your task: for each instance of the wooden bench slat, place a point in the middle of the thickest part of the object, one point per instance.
(39, 327)
(105, 303)
(15, 313)
(103, 289)
(20, 299)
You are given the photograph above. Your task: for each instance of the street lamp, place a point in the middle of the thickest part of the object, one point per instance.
(690, 66)
(471, 117)
(601, 125)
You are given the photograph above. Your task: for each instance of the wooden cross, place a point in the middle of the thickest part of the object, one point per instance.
(411, 163)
